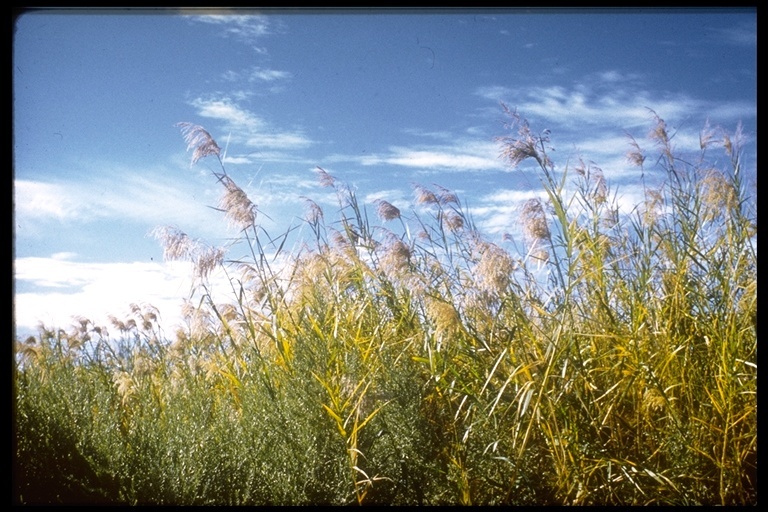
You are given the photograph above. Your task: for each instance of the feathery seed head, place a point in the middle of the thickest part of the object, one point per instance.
(660, 135)
(400, 250)
(326, 180)
(397, 257)
(445, 196)
(732, 144)
(124, 384)
(240, 211)
(339, 240)
(717, 194)
(494, 268)
(534, 219)
(188, 310)
(540, 253)
(228, 312)
(526, 145)
(610, 217)
(707, 136)
(207, 260)
(536, 228)
(517, 150)
(387, 211)
(659, 132)
(600, 191)
(654, 202)
(424, 195)
(453, 221)
(29, 350)
(197, 318)
(581, 168)
(444, 316)
(177, 245)
(142, 363)
(635, 154)
(117, 323)
(314, 214)
(200, 140)
(151, 312)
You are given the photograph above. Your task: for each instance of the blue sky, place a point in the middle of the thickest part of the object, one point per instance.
(379, 99)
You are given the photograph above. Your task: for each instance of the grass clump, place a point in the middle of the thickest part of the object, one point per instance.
(612, 360)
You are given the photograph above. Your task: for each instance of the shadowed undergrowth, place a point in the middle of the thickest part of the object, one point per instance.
(609, 359)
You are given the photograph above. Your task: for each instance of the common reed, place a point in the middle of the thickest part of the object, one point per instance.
(611, 361)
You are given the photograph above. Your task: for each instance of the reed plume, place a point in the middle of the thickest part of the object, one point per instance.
(326, 180)
(536, 227)
(424, 195)
(635, 155)
(237, 207)
(200, 140)
(387, 211)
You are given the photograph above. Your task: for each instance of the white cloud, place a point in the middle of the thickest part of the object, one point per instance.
(494, 92)
(608, 98)
(267, 75)
(278, 140)
(55, 290)
(256, 74)
(441, 135)
(152, 197)
(237, 160)
(459, 157)
(39, 200)
(247, 28)
(592, 118)
(509, 196)
(64, 255)
(743, 35)
(733, 112)
(576, 109)
(63, 288)
(247, 127)
(225, 110)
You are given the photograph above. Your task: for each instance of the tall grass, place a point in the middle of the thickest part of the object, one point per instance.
(414, 361)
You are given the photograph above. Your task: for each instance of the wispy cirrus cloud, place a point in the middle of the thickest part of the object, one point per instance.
(257, 74)
(248, 128)
(608, 98)
(469, 156)
(589, 105)
(246, 28)
(278, 140)
(41, 200)
(95, 198)
(224, 109)
(592, 118)
(267, 75)
(741, 35)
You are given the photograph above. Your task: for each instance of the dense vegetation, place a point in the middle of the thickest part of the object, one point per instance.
(413, 361)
